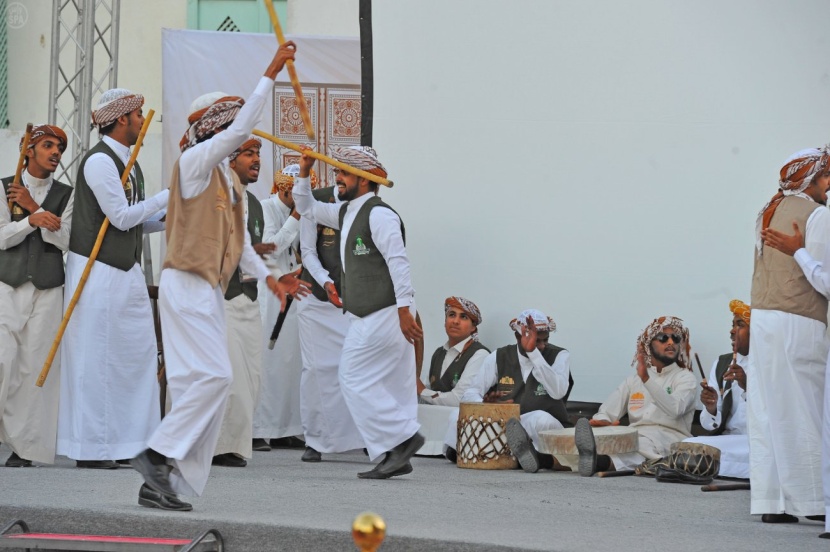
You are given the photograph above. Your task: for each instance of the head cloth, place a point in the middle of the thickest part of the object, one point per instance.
(543, 323)
(207, 113)
(114, 103)
(41, 132)
(248, 144)
(465, 305)
(741, 309)
(657, 326)
(360, 157)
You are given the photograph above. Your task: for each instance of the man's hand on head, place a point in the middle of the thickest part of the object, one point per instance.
(529, 334)
(785, 243)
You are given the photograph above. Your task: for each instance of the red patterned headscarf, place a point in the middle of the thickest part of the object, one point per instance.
(41, 132)
(251, 142)
(464, 305)
(114, 103)
(207, 113)
(543, 322)
(657, 326)
(360, 157)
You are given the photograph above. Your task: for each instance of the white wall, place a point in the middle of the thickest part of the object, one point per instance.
(323, 17)
(602, 161)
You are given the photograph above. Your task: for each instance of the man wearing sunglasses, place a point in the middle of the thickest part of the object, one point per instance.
(659, 400)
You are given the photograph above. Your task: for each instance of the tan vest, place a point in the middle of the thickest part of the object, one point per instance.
(205, 233)
(778, 282)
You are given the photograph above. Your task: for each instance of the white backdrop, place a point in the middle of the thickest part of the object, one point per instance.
(198, 62)
(603, 161)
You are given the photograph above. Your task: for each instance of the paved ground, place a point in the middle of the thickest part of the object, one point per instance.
(280, 503)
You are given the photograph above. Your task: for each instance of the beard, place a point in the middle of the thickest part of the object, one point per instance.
(665, 359)
(347, 195)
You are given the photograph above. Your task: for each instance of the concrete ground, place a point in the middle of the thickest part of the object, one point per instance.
(280, 503)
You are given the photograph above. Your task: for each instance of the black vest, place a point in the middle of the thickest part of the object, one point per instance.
(366, 283)
(447, 381)
(121, 248)
(34, 260)
(724, 362)
(328, 250)
(530, 395)
(256, 223)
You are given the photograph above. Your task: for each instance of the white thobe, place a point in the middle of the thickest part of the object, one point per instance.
(199, 372)
(377, 366)
(785, 397)
(109, 402)
(661, 410)
(29, 320)
(733, 442)
(327, 423)
(277, 411)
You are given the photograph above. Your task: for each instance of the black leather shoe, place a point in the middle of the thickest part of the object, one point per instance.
(15, 461)
(96, 464)
(824, 536)
(311, 455)
(779, 518)
(152, 499)
(260, 445)
(452, 455)
(229, 460)
(287, 442)
(587, 447)
(521, 446)
(817, 518)
(398, 458)
(376, 473)
(156, 476)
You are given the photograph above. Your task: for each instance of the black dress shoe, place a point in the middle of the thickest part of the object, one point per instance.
(376, 473)
(452, 455)
(229, 460)
(521, 446)
(156, 476)
(398, 458)
(287, 442)
(260, 445)
(311, 455)
(824, 536)
(587, 447)
(153, 499)
(15, 461)
(779, 518)
(817, 518)
(96, 464)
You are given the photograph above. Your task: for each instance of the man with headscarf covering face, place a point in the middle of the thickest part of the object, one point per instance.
(244, 325)
(206, 242)
(659, 400)
(32, 236)
(277, 415)
(789, 347)
(109, 390)
(534, 374)
(724, 414)
(328, 426)
(378, 359)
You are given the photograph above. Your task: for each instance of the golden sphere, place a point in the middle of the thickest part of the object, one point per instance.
(368, 531)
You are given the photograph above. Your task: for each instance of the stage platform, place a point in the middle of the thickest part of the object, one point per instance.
(281, 503)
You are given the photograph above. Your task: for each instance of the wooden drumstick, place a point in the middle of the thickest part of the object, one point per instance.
(19, 171)
(292, 73)
(725, 487)
(700, 367)
(324, 158)
(44, 372)
(617, 473)
(734, 360)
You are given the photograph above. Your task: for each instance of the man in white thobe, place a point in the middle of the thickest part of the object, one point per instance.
(206, 241)
(377, 365)
(109, 402)
(328, 426)
(788, 348)
(659, 400)
(35, 218)
(724, 415)
(277, 413)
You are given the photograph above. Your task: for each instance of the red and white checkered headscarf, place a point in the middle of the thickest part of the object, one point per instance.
(207, 113)
(41, 132)
(657, 325)
(251, 142)
(360, 157)
(114, 103)
(543, 322)
(464, 305)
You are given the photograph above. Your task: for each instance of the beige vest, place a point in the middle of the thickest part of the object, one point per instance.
(205, 233)
(778, 282)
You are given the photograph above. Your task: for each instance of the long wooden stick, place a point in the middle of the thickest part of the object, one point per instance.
(19, 171)
(617, 473)
(292, 73)
(700, 367)
(725, 487)
(92, 256)
(324, 158)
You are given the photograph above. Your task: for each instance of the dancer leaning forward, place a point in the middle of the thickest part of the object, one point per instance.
(206, 241)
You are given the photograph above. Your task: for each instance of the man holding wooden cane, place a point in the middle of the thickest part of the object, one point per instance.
(109, 389)
(206, 241)
(31, 295)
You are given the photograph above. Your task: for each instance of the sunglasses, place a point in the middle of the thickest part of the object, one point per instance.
(664, 337)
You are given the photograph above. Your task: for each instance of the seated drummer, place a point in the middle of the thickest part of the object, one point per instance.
(659, 400)
(725, 416)
(534, 374)
(454, 364)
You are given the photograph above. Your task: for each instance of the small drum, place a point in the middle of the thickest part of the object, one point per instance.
(482, 443)
(696, 459)
(610, 440)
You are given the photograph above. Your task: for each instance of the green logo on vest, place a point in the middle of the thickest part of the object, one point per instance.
(668, 389)
(455, 380)
(360, 248)
(540, 390)
(257, 231)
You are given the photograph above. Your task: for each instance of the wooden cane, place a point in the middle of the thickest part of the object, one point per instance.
(19, 171)
(725, 487)
(92, 256)
(324, 158)
(292, 73)
(700, 367)
(617, 473)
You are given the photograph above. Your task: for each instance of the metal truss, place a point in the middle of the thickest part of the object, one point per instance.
(84, 63)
